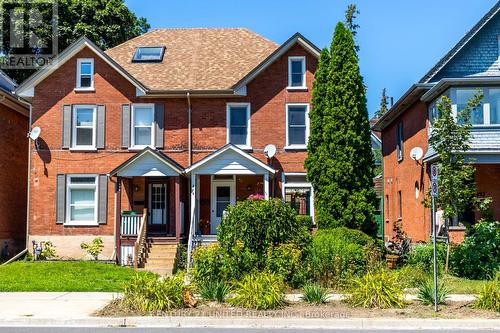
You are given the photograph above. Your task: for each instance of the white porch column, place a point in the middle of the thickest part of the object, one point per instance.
(266, 186)
(192, 206)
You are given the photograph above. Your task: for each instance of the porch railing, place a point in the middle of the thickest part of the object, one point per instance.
(130, 225)
(140, 243)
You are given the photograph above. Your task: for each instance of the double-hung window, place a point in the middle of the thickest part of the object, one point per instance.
(297, 129)
(296, 72)
(85, 74)
(238, 124)
(399, 142)
(84, 127)
(142, 126)
(81, 200)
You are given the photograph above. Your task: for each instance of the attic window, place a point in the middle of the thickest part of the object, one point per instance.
(149, 54)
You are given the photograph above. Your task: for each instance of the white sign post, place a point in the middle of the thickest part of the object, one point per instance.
(434, 194)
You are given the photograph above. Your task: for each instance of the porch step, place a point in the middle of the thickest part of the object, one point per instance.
(160, 257)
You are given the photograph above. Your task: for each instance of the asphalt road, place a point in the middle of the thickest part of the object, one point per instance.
(208, 330)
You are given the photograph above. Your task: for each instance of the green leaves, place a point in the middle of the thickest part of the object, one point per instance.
(260, 291)
(340, 160)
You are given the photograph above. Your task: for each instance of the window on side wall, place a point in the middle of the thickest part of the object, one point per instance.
(399, 141)
(85, 74)
(296, 72)
(297, 130)
(81, 200)
(298, 193)
(238, 124)
(84, 127)
(142, 131)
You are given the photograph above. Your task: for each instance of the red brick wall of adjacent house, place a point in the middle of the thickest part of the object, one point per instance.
(13, 178)
(267, 95)
(406, 176)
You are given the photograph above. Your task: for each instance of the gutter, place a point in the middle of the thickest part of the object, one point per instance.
(193, 93)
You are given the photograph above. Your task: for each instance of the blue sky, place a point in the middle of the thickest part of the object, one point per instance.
(399, 39)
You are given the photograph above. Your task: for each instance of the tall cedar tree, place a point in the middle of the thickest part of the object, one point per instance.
(384, 104)
(106, 22)
(340, 160)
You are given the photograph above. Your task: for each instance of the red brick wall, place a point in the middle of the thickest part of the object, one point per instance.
(406, 175)
(267, 95)
(13, 175)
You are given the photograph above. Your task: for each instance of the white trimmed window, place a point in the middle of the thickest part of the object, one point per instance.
(297, 125)
(142, 131)
(84, 127)
(238, 124)
(81, 200)
(298, 193)
(85, 74)
(297, 72)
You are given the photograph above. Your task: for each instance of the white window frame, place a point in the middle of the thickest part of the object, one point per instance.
(400, 141)
(74, 146)
(69, 187)
(296, 146)
(79, 74)
(298, 185)
(247, 145)
(303, 60)
(132, 127)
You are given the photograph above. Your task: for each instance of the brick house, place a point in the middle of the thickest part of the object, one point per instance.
(13, 169)
(473, 63)
(174, 121)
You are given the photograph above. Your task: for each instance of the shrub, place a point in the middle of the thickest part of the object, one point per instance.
(315, 294)
(410, 276)
(260, 291)
(337, 254)
(260, 224)
(215, 291)
(94, 248)
(422, 256)
(211, 263)
(285, 260)
(376, 290)
(181, 259)
(478, 257)
(426, 293)
(489, 297)
(146, 293)
(48, 251)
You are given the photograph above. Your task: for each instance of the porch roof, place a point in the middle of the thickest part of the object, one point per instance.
(229, 160)
(148, 163)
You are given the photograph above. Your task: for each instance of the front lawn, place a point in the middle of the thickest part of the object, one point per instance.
(458, 285)
(64, 276)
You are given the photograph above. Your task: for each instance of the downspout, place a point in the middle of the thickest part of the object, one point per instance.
(190, 146)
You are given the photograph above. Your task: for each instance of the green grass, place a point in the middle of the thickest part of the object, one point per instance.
(64, 276)
(458, 285)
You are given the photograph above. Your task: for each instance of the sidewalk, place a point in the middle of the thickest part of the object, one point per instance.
(76, 309)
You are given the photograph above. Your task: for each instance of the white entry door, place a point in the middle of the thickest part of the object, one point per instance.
(223, 195)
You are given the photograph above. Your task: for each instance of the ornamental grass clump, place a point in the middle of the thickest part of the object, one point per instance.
(260, 291)
(215, 291)
(426, 293)
(489, 297)
(315, 294)
(375, 290)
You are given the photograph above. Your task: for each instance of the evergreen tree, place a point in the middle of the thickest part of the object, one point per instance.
(340, 160)
(384, 104)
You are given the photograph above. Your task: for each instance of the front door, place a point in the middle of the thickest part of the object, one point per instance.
(157, 219)
(223, 195)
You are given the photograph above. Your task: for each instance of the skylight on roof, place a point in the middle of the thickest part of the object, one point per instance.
(148, 54)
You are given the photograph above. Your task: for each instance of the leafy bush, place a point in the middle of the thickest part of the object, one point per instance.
(211, 263)
(410, 276)
(146, 293)
(422, 256)
(489, 297)
(426, 293)
(181, 259)
(337, 254)
(315, 294)
(376, 290)
(260, 291)
(285, 260)
(478, 257)
(94, 248)
(259, 225)
(215, 291)
(48, 251)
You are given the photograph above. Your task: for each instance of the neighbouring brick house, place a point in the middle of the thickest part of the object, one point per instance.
(14, 117)
(174, 121)
(473, 63)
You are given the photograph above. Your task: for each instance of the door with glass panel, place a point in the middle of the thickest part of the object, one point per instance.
(158, 212)
(223, 195)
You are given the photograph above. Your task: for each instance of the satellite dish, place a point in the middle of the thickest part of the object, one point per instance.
(269, 150)
(416, 153)
(35, 133)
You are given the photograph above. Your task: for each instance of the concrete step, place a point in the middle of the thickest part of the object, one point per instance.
(161, 261)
